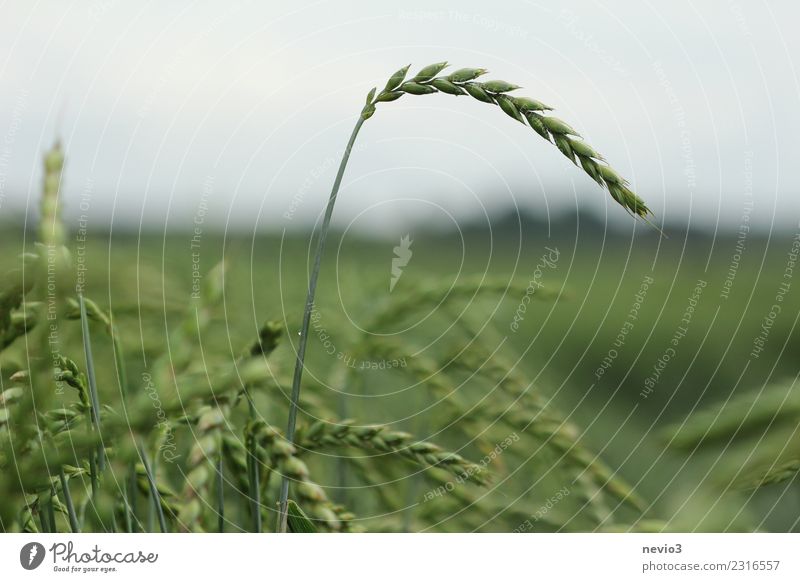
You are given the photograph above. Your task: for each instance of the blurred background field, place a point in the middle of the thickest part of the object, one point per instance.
(564, 345)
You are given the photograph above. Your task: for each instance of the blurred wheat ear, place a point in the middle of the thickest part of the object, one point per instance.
(526, 111)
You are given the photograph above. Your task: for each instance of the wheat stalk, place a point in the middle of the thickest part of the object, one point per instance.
(205, 449)
(777, 473)
(460, 82)
(152, 486)
(205, 455)
(382, 439)
(522, 109)
(94, 313)
(17, 319)
(437, 294)
(739, 414)
(283, 456)
(547, 426)
(88, 309)
(51, 229)
(70, 508)
(90, 376)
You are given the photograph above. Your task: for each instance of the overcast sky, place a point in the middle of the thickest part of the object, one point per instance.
(244, 107)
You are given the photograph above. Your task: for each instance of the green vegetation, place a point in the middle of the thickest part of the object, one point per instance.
(460, 82)
(569, 336)
(572, 380)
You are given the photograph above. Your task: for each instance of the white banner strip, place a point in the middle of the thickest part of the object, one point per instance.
(400, 557)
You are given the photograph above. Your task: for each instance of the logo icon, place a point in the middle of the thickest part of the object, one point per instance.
(31, 555)
(402, 254)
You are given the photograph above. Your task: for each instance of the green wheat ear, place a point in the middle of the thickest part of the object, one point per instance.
(527, 111)
(523, 109)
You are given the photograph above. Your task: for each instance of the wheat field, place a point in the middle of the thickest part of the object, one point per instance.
(147, 387)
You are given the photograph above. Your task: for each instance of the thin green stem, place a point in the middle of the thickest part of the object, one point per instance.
(155, 497)
(220, 497)
(93, 475)
(87, 349)
(43, 521)
(73, 517)
(132, 496)
(312, 289)
(253, 494)
(51, 514)
(253, 472)
(126, 504)
(119, 361)
(151, 517)
(122, 375)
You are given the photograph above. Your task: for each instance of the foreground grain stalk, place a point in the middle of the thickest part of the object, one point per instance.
(461, 82)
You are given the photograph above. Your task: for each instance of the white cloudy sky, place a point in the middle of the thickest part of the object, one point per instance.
(161, 105)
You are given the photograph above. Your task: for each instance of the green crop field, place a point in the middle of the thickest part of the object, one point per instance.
(577, 376)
